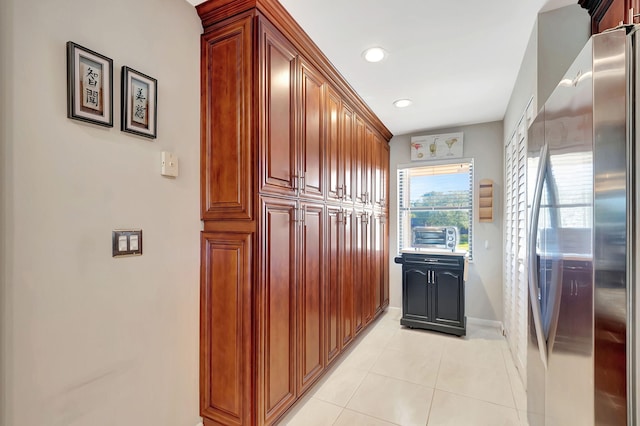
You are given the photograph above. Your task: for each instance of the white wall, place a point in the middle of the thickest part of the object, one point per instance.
(555, 41)
(526, 87)
(562, 33)
(88, 339)
(483, 143)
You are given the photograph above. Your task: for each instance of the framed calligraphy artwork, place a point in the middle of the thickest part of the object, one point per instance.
(89, 86)
(139, 103)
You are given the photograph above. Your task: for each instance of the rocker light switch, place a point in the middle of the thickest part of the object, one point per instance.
(169, 164)
(127, 242)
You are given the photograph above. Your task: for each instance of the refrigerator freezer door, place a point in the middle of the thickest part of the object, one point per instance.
(535, 291)
(612, 62)
(568, 249)
(536, 349)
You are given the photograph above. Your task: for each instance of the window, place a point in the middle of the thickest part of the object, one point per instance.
(438, 195)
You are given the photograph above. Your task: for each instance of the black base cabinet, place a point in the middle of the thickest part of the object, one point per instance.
(433, 292)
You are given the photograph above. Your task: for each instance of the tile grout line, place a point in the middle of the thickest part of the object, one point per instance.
(508, 376)
(361, 381)
(513, 396)
(435, 385)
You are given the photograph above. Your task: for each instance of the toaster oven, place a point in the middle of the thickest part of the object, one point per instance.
(435, 237)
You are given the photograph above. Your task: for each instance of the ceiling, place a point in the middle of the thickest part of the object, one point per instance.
(456, 60)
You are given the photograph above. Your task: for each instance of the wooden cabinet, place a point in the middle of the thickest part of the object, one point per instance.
(379, 269)
(384, 177)
(607, 14)
(333, 146)
(359, 276)
(277, 303)
(346, 154)
(293, 247)
(226, 321)
(334, 263)
(347, 284)
(226, 157)
(359, 160)
(312, 145)
(311, 294)
(278, 145)
(340, 147)
(433, 292)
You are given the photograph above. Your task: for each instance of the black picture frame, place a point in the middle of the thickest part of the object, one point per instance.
(139, 103)
(89, 86)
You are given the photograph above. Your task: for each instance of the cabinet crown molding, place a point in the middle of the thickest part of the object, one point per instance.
(592, 5)
(214, 11)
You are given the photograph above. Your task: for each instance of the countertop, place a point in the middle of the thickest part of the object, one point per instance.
(435, 251)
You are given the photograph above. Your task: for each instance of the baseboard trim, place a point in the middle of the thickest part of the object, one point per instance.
(485, 322)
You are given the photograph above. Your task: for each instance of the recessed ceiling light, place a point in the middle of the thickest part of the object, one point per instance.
(402, 103)
(374, 54)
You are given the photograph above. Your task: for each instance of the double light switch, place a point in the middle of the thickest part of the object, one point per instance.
(127, 242)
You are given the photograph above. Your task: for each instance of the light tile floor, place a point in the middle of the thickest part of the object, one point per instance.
(393, 375)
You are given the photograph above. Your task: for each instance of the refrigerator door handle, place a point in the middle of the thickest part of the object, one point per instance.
(532, 267)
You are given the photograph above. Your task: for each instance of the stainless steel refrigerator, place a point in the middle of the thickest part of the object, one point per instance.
(583, 249)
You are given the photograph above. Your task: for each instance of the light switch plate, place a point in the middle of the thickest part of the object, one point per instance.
(126, 242)
(169, 164)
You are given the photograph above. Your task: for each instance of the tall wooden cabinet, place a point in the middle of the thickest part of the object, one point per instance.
(607, 14)
(294, 183)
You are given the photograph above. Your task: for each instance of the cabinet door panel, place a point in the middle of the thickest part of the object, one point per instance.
(368, 167)
(416, 294)
(359, 182)
(380, 252)
(277, 122)
(333, 143)
(334, 268)
(311, 313)
(385, 260)
(359, 269)
(375, 266)
(384, 177)
(362, 279)
(448, 297)
(347, 281)
(367, 265)
(377, 187)
(277, 312)
(312, 108)
(227, 172)
(609, 14)
(347, 141)
(225, 295)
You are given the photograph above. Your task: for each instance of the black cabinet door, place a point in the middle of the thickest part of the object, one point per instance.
(416, 294)
(448, 297)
